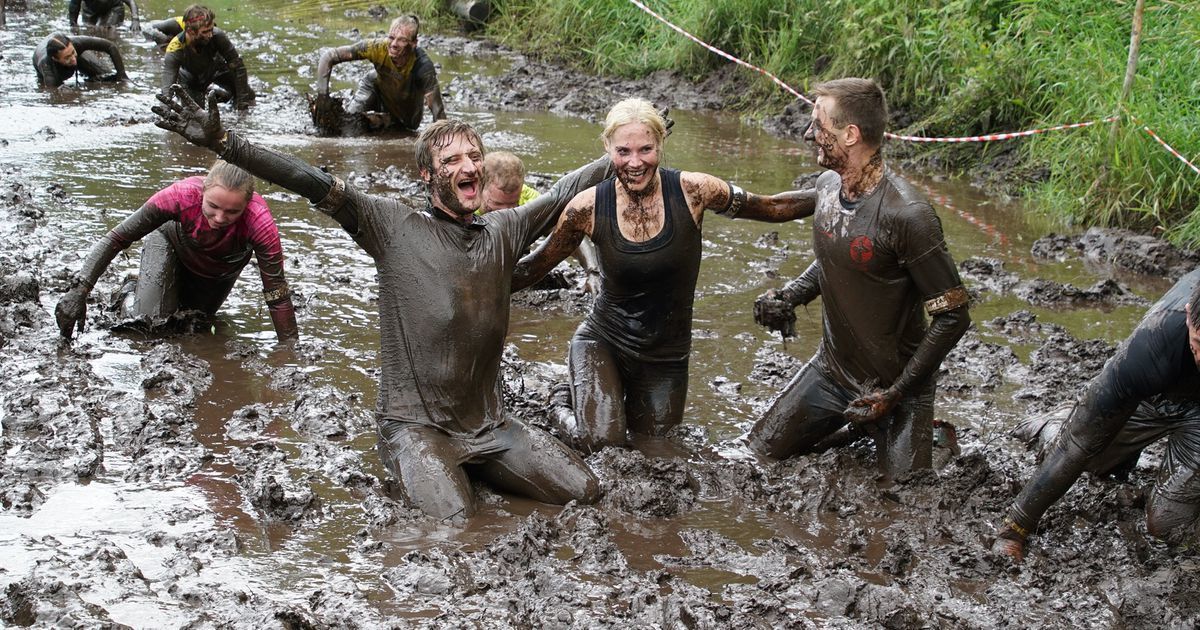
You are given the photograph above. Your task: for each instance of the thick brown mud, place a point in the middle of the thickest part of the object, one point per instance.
(185, 476)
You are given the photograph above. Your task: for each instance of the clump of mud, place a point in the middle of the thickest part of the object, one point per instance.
(1120, 249)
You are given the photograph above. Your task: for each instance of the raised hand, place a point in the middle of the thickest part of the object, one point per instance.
(181, 114)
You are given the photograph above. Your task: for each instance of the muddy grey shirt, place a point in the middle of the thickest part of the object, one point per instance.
(52, 74)
(879, 260)
(443, 287)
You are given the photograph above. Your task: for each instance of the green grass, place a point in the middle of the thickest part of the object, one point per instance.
(954, 67)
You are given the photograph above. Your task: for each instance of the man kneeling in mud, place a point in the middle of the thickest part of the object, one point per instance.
(200, 233)
(444, 283)
(881, 264)
(403, 83)
(1148, 389)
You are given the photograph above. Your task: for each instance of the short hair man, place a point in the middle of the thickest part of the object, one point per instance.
(403, 83)
(445, 276)
(202, 55)
(881, 265)
(1149, 389)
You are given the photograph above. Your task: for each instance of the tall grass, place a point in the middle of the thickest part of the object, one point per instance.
(952, 67)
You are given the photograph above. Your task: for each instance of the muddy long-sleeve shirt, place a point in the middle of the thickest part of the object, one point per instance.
(203, 62)
(443, 287)
(881, 262)
(52, 74)
(402, 88)
(202, 250)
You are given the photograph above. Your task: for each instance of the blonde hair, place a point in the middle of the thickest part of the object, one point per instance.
(505, 169)
(634, 110)
(231, 177)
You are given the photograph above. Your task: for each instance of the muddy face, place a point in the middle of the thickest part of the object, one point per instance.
(402, 40)
(496, 199)
(634, 151)
(223, 206)
(67, 57)
(454, 184)
(831, 150)
(200, 36)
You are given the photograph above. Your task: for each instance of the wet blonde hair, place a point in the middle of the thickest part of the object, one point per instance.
(231, 177)
(634, 110)
(505, 169)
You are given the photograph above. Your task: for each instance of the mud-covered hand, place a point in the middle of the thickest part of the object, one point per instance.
(1010, 541)
(71, 311)
(872, 407)
(181, 114)
(668, 122)
(245, 99)
(775, 313)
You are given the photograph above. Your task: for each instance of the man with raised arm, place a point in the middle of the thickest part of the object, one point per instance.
(444, 283)
(202, 55)
(881, 266)
(403, 83)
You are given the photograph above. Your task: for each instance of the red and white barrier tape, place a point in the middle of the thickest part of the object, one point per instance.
(1002, 136)
(722, 53)
(1164, 144)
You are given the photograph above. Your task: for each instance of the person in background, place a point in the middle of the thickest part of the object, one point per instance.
(199, 234)
(102, 12)
(202, 55)
(404, 82)
(60, 57)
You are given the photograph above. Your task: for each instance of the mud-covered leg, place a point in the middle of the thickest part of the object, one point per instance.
(157, 293)
(426, 464)
(598, 396)
(655, 394)
(540, 467)
(809, 409)
(203, 294)
(904, 440)
(1174, 504)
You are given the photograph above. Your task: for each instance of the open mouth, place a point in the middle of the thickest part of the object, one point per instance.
(468, 188)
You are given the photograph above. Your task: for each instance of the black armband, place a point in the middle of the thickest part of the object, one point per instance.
(737, 200)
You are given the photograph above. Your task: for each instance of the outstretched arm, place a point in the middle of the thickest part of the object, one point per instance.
(330, 57)
(707, 192)
(573, 224)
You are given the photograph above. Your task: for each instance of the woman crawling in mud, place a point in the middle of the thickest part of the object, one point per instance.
(1149, 389)
(200, 233)
(629, 358)
(59, 57)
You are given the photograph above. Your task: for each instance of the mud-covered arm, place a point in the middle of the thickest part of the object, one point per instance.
(172, 61)
(803, 288)
(925, 256)
(134, 20)
(136, 226)
(162, 31)
(727, 199)
(268, 250)
(46, 71)
(427, 79)
(433, 101)
(73, 8)
(241, 78)
(329, 58)
(539, 214)
(573, 224)
(101, 45)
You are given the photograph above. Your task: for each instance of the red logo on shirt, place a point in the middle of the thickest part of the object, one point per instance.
(861, 250)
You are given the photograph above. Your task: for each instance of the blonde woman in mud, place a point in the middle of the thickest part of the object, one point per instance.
(629, 358)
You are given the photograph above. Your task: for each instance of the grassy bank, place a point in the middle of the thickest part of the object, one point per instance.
(955, 67)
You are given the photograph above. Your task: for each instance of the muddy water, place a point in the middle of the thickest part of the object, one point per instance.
(92, 156)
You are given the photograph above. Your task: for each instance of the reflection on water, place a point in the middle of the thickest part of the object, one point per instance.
(100, 146)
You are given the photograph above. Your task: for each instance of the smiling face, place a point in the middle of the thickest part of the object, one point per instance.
(454, 183)
(402, 40)
(634, 151)
(222, 207)
(67, 57)
(832, 152)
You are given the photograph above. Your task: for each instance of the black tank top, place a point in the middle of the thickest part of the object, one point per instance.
(647, 289)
